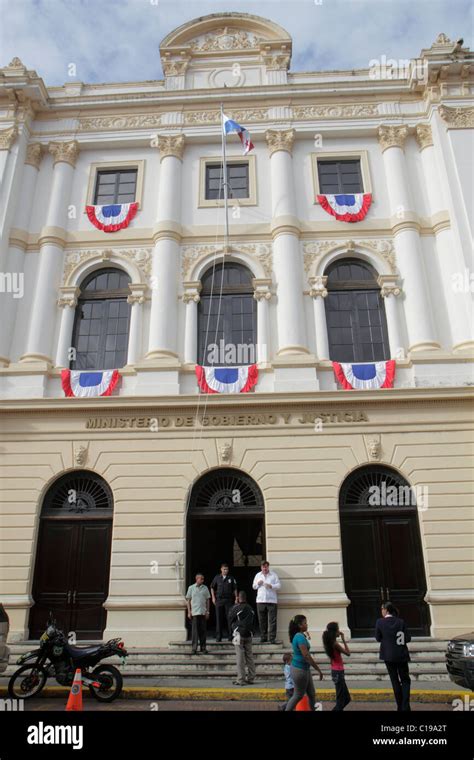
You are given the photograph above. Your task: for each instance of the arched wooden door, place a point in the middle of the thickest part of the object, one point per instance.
(72, 568)
(381, 550)
(225, 523)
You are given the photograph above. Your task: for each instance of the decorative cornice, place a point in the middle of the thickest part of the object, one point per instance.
(171, 145)
(334, 111)
(67, 152)
(175, 68)
(111, 123)
(318, 286)
(392, 137)
(424, 136)
(34, 154)
(276, 61)
(8, 137)
(280, 140)
(457, 118)
(213, 117)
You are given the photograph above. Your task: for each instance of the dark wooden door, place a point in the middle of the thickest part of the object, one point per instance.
(382, 558)
(72, 576)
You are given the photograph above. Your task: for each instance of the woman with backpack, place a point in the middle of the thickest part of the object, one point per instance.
(241, 621)
(334, 651)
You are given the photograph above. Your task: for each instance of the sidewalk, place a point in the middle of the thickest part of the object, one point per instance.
(199, 689)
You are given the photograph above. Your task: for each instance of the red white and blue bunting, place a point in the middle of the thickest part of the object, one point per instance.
(89, 384)
(227, 379)
(113, 217)
(346, 208)
(365, 377)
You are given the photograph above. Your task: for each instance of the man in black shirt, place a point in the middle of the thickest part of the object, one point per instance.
(224, 595)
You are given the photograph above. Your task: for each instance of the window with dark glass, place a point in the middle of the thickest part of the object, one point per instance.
(227, 316)
(102, 321)
(336, 177)
(115, 186)
(355, 313)
(237, 179)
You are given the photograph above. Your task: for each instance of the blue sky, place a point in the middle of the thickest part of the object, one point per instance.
(118, 40)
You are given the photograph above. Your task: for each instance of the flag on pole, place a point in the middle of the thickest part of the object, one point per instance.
(228, 125)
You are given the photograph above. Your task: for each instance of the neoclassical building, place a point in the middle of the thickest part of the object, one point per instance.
(153, 467)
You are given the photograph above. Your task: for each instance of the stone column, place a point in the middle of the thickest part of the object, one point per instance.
(7, 138)
(449, 257)
(262, 295)
(287, 262)
(67, 301)
(390, 290)
(318, 293)
(167, 237)
(50, 263)
(137, 298)
(405, 226)
(191, 298)
(15, 260)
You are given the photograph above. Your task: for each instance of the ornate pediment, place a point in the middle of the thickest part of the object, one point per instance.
(225, 38)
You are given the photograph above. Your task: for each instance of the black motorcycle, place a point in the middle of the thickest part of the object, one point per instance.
(58, 659)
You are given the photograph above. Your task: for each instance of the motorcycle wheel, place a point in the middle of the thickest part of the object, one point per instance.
(111, 683)
(27, 682)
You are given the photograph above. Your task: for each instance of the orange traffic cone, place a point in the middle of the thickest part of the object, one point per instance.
(303, 705)
(75, 697)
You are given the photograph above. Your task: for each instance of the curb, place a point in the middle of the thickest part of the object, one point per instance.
(265, 694)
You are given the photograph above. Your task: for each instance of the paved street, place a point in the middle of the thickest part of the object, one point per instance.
(213, 706)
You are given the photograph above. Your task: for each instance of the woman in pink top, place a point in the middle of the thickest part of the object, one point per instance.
(334, 651)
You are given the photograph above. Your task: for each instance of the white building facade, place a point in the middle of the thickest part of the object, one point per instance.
(158, 458)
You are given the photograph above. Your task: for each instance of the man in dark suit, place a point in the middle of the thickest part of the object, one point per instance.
(391, 631)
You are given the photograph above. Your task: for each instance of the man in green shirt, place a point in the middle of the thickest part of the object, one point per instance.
(197, 601)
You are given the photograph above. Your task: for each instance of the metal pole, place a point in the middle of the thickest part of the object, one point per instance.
(224, 169)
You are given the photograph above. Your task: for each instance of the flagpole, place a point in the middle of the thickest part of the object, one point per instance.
(224, 169)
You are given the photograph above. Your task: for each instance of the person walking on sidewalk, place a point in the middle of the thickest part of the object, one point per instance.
(334, 651)
(224, 595)
(241, 619)
(391, 632)
(301, 664)
(197, 602)
(266, 583)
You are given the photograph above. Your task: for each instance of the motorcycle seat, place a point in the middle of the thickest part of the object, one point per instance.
(78, 652)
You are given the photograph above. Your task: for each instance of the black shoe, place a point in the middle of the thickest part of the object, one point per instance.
(248, 680)
(272, 641)
(263, 641)
(218, 638)
(194, 651)
(238, 683)
(204, 651)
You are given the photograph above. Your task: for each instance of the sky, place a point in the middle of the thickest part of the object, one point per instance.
(118, 40)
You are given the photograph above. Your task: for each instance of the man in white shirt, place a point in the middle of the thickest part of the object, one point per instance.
(266, 584)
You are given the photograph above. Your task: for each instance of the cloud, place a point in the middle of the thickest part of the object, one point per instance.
(118, 40)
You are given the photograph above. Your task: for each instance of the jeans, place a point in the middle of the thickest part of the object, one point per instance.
(342, 692)
(267, 620)
(245, 659)
(400, 678)
(303, 681)
(222, 615)
(198, 632)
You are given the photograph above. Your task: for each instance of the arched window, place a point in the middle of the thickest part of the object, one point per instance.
(355, 314)
(102, 321)
(227, 317)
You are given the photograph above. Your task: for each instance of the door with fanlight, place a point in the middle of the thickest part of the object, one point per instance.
(381, 550)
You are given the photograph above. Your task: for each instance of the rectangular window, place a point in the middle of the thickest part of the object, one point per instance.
(336, 177)
(237, 181)
(115, 186)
